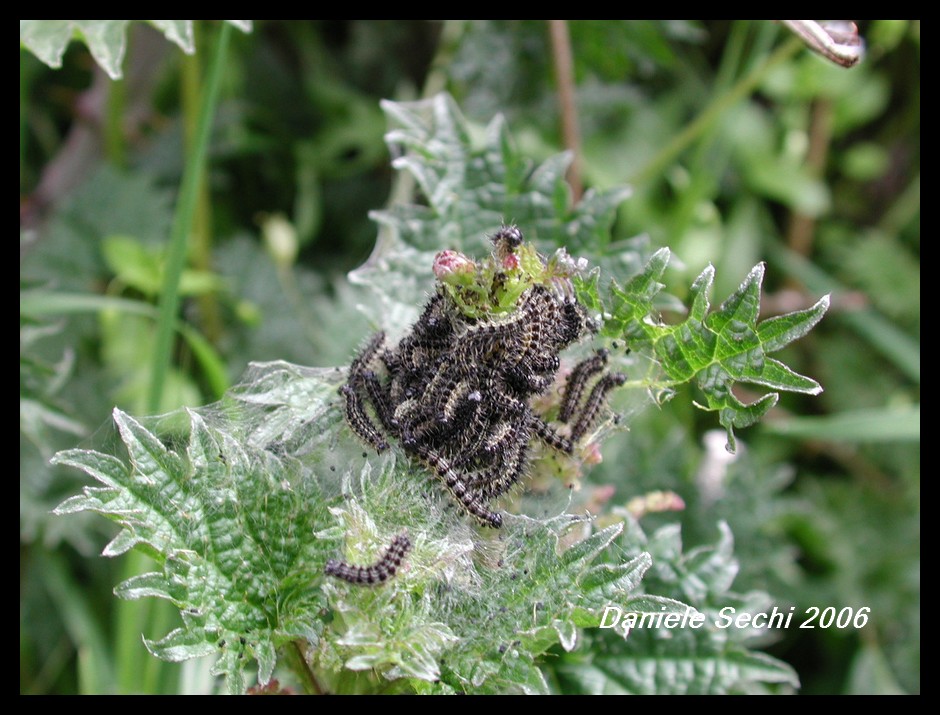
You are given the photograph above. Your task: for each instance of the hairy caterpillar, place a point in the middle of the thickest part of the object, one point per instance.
(379, 572)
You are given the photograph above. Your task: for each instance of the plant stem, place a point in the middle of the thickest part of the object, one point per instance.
(294, 653)
(564, 72)
(77, 613)
(403, 183)
(137, 670)
(183, 221)
(802, 227)
(191, 81)
(113, 127)
(447, 45)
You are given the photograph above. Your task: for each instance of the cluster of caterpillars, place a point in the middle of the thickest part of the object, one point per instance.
(456, 392)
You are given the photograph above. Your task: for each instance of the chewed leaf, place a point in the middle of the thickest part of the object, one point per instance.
(713, 349)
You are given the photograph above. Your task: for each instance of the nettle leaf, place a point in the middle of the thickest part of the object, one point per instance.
(688, 661)
(712, 349)
(713, 658)
(471, 189)
(231, 526)
(533, 599)
(106, 39)
(40, 380)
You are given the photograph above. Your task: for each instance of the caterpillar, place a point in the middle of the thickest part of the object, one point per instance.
(379, 572)
(594, 402)
(574, 386)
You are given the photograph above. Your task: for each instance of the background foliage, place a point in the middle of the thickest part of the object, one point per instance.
(816, 171)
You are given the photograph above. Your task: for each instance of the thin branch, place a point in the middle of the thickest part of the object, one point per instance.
(802, 227)
(564, 72)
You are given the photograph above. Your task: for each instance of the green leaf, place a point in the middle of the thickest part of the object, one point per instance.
(223, 539)
(40, 380)
(587, 549)
(47, 39)
(617, 578)
(871, 674)
(106, 39)
(143, 268)
(471, 189)
(884, 335)
(181, 33)
(682, 659)
(42, 303)
(713, 349)
(687, 663)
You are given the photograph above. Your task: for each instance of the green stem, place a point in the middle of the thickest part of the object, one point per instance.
(201, 254)
(113, 128)
(711, 154)
(183, 221)
(294, 655)
(447, 45)
(720, 105)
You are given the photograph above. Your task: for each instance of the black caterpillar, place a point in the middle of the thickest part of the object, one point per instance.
(379, 572)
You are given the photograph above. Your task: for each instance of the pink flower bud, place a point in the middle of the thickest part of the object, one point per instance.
(447, 263)
(591, 453)
(510, 262)
(653, 502)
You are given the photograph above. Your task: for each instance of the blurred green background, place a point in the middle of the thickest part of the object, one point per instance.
(740, 145)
